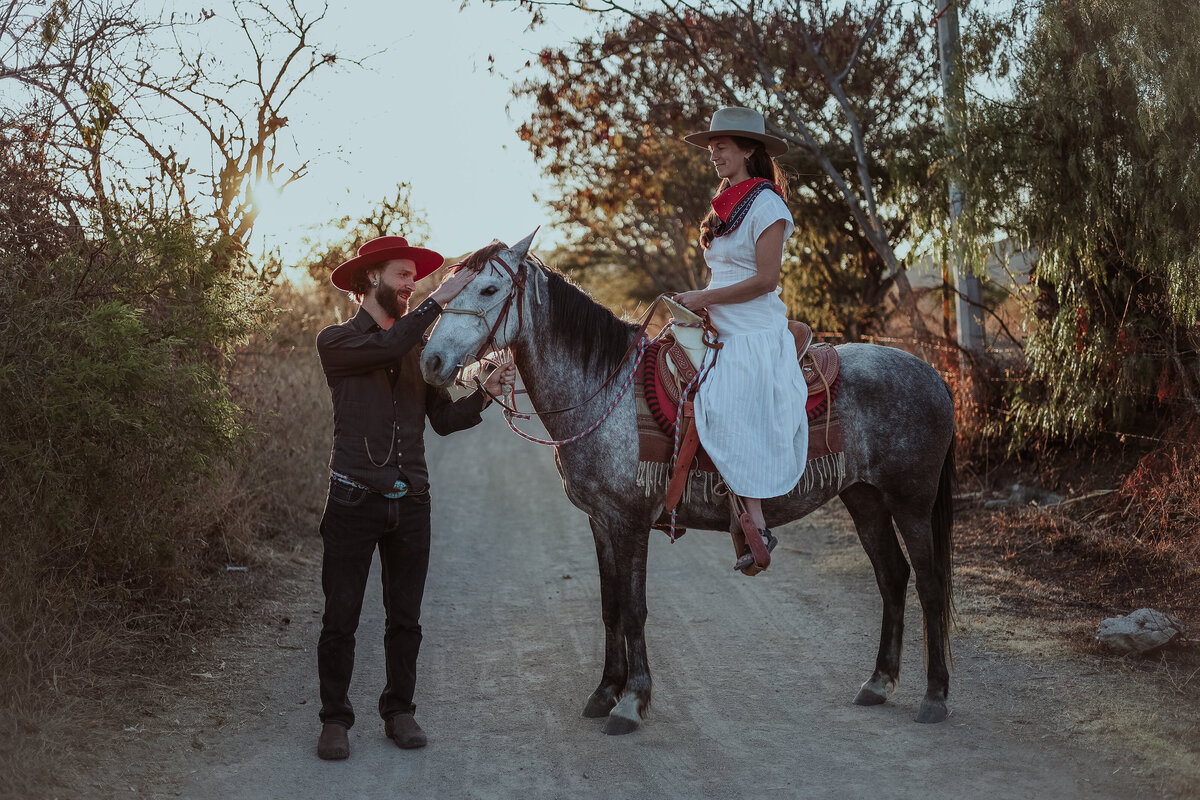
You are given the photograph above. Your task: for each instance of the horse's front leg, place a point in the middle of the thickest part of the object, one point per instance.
(630, 545)
(612, 681)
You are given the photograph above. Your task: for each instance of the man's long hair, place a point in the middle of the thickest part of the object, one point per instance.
(360, 284)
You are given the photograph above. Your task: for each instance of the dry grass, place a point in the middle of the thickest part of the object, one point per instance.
(1160, 499)
(1037, 582)
(109, 650)
(1118, 550)
(279, 488)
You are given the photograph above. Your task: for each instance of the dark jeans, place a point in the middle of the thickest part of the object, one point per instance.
(355, 522)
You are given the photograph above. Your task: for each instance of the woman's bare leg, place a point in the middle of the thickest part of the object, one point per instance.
(754, 508)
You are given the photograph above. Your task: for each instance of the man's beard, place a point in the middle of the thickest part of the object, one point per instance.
(390, 302)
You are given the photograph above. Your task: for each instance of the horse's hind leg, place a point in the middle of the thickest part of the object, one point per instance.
(933, 587)
(878, 537)
(612, 681)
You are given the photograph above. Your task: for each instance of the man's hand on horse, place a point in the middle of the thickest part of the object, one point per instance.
(692, 301)
(501, 380)
(454, 283)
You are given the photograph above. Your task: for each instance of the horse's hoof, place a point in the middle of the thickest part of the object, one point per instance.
(598, 706)
(869, 697)
(625, 717)
(619, 726)
(932, 711)
(874, 692)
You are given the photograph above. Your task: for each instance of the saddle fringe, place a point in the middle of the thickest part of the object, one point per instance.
(819, 473)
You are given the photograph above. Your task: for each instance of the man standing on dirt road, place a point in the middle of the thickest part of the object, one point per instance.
(379, 483)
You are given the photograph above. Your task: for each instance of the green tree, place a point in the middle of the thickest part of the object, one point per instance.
(114, 408)
(125, 291)
(1090, 159)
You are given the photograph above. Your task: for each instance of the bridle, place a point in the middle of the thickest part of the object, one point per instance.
(517, 278)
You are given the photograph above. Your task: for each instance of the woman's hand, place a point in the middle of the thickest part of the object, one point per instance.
(501, 380)
(692, 301)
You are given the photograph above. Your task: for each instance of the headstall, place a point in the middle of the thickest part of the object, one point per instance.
(518, 278)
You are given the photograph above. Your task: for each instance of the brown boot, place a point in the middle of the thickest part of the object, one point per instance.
(405, 732)
(333, 744)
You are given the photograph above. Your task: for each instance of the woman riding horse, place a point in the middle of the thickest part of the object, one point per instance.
(750, 408)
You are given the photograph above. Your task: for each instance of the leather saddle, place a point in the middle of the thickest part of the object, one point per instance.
(676, 361)
(821, 365)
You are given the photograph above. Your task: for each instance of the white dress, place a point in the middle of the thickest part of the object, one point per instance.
(750, 408)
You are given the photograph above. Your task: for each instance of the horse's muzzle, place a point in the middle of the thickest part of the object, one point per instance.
(437, 370)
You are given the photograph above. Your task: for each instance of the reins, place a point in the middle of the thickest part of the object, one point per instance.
(642, 343)
(639, 343)
(511, 413)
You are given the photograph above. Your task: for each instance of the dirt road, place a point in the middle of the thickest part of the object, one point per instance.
(753, 677)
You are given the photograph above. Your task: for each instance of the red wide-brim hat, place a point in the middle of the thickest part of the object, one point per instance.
(385, 248)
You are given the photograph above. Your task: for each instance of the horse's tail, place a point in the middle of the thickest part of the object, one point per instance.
(943, 546)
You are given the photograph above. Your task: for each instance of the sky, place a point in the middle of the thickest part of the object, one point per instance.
(423, 109)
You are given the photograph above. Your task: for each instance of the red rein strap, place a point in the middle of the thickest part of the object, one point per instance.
(641, 334)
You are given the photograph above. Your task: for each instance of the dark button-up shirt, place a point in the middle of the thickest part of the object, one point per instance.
(380, 399)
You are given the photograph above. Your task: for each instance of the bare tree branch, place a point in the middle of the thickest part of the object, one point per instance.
(841, 76)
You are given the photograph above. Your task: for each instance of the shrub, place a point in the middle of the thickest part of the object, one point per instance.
(113, 409)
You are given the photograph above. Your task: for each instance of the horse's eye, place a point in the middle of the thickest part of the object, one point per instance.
(489, 291)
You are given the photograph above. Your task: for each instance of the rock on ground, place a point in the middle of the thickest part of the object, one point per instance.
(1139, 632)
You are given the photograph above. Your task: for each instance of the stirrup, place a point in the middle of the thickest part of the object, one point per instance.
(747, 558)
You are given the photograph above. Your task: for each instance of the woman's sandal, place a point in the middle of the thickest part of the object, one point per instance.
(747, 558)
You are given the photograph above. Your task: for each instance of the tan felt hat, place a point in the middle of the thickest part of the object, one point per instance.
(738, 121)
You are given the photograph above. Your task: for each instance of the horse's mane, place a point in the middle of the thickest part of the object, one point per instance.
(589, 331)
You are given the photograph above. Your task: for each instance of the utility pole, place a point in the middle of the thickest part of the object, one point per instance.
(967, 310)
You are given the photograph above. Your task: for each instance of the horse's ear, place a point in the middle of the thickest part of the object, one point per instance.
(519, 250)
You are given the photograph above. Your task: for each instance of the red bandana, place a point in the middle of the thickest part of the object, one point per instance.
(726, 201)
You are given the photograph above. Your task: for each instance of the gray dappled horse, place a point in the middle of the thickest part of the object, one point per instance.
(897, 420)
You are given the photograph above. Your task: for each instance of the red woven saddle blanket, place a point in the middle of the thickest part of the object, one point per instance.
(666, 371)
